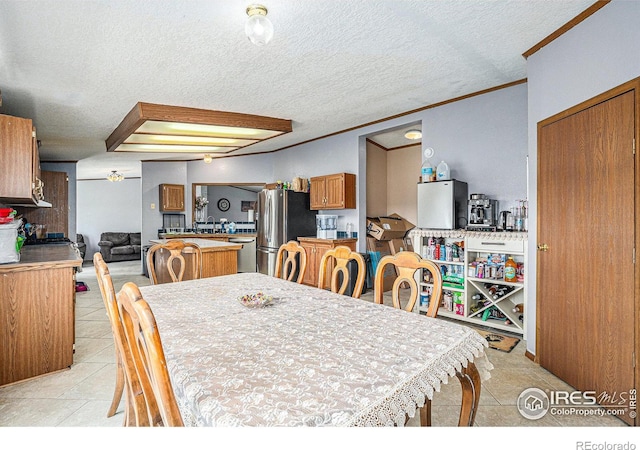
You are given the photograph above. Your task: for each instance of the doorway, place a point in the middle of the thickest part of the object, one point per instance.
(393, 164)
(586, 273)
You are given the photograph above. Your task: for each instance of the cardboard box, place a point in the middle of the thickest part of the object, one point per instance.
(389, 248)
(399, 245)
(377, 250)
(389, 227)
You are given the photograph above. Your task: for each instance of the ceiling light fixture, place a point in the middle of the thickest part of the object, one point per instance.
(413, 134)
(115, 176)
(208, 158)
(258, 28)
(156, 128)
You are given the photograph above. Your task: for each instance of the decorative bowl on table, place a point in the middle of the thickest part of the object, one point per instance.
(258, 300)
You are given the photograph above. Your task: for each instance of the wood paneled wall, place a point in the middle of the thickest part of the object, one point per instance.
(56, 192)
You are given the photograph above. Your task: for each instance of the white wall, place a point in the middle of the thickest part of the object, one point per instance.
(235, 196)
(598, 54)
(153, 175)
(483, 139)
(335, 154)
(106, 206)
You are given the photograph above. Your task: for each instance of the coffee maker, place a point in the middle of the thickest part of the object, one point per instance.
(483, 213)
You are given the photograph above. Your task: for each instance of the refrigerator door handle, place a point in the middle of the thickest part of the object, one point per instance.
(267, 216)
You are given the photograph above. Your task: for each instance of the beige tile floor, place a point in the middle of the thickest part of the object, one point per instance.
(80, 397)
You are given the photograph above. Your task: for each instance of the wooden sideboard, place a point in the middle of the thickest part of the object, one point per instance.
(315, 248)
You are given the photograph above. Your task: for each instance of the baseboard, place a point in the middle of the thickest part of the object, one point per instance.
(530, 355)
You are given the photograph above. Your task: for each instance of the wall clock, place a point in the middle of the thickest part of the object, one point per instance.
(223, 204)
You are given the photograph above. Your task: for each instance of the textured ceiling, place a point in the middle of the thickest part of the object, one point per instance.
(77, 67)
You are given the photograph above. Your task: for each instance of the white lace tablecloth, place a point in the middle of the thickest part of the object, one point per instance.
(313, 358)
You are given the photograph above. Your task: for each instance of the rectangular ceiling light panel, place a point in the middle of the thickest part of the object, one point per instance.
(160, 128)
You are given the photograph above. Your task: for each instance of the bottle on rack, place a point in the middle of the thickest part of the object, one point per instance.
(510, 269)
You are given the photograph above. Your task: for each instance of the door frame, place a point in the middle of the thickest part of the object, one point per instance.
(630, 86)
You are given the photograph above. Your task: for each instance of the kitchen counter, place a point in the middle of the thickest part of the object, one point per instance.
(218, 258)
(206, 245)
(338, 241)
(216, 236)
(33, 257)
(37, 300)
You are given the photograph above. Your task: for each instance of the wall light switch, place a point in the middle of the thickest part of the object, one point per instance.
(153, 206)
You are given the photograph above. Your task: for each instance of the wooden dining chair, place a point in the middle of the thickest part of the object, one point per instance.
(167, 265)
(109, 298)
(340, 256)
(406, 264)
(287, 269)
(149, 363)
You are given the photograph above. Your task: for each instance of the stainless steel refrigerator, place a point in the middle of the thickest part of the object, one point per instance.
(282, 216)
(442, 204)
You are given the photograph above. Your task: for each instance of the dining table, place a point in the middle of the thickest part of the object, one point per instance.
(310, 357)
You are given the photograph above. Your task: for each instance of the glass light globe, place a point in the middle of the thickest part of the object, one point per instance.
(259, 29)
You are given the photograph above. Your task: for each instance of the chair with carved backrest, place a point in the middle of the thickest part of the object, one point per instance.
(177, 250)
(406, 264)
(341, 255)
(287, 269)
(109, 297)
(148, 360)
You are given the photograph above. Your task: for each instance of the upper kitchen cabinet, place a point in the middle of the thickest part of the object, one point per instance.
(20, 183)
(171, 197)
(336, 191)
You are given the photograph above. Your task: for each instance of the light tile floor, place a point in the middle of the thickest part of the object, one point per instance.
(80, 397)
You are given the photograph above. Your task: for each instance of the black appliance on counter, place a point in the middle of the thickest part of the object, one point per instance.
(48, 240)
(483, 213)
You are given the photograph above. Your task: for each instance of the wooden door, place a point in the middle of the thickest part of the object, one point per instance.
(16, 158)
(321, 249)
(310, 277)
(171, 197)
(586, 275)
(335, 191)
(317, 193)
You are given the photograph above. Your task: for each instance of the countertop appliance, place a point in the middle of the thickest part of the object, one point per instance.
(282, 216)
(483, 213)
(326, 226)
(247, 255)
(173, 223)
(442, 204)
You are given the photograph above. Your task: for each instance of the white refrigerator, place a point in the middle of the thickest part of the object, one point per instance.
(442, 205)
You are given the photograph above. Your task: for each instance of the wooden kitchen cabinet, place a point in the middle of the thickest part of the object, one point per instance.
(315, 248)
(171, 197)
(19, 161)
(37, 310)
(337, 191)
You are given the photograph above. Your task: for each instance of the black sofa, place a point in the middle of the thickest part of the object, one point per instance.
(81, 244)
(116, 246)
